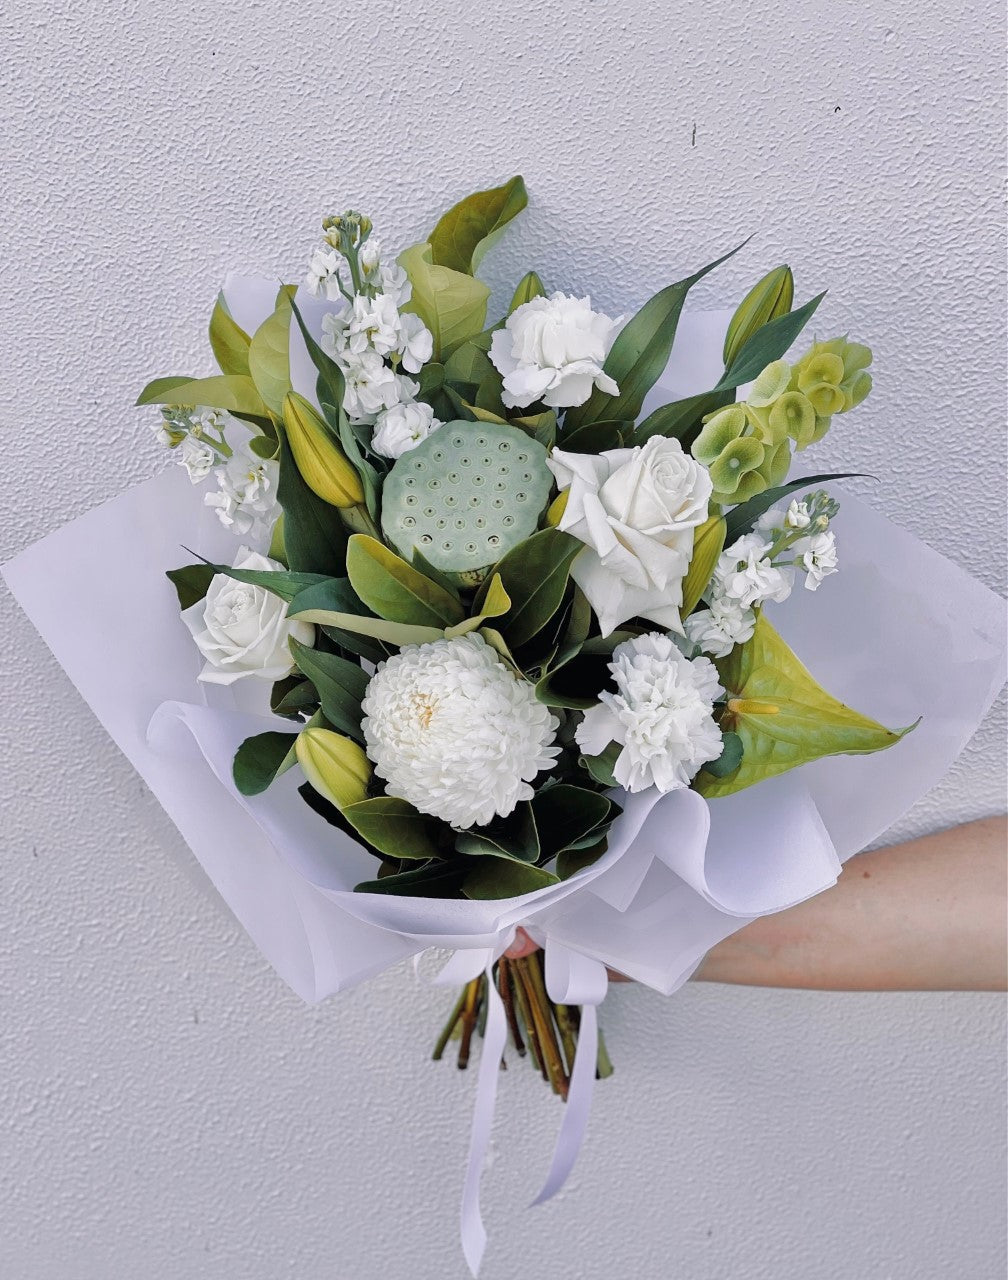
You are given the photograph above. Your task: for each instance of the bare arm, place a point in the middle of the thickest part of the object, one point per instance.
(926, 915)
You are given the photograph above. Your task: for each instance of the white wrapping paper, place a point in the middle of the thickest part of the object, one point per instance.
(900, 632)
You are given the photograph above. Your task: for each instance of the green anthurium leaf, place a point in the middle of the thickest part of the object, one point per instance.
(594, 437)
(465, 233)
(565, 814)
(315, 538)
(433, 880)
(708, 543)
(729, 759)
(394, 590)
(571, 861)
(395, 828)
(741, 519)
(153, 391)
(767, 344)
(534, 574)
(231, 391)
(577, 681)
(512, 837)
(260, 759)
(639, 354)
(782, 717)
(529, 287)
(681, 420)
(452, 305)
(339, 683)
(269, 354)
(504, 878)
(228, 339)
(191, 582)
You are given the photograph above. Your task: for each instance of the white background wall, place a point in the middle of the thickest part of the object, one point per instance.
(167, 1109)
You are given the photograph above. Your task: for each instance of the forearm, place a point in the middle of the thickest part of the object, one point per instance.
(927, 915)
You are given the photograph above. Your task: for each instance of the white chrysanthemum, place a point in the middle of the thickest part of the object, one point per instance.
(451, 730)
(660, 715)
(721, 626)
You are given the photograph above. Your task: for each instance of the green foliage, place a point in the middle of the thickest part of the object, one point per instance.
(230, 343)
(395, 828)
(269, 354)
(338, 684)
(503, 878)
(260, 759)
(394, 590)
(769, 298)
(529, 287)
(450, 303)
(280, 582)
(729, 759)
(192, 582)
(576, 681)
(741, 519)
(767, 344)
(315, 538)
(534, 574)
(465, 233)
(232, 392)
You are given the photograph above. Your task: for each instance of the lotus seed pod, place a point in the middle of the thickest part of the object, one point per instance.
(464, 496)
(770, 385)
(718, 432)
(769, 298)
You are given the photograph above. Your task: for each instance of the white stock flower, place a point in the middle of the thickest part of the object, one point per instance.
(552, 349)
(744, 572)
(817, 556)
(371, 385)
(416, 342)
(721, 626)
(797, 515)
(369, 259)
(198, 457)
(323, 272)
(454, 732)
(635, 510)
(243, 630)
(776, 520)
(373, 325)
(395, 284)
(402, 428)
(661, 715)
(334, 330)
(246, 499)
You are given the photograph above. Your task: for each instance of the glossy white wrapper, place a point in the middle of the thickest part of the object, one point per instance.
(900, 633)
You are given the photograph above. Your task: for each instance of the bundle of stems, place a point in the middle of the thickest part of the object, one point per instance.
(540, 1029)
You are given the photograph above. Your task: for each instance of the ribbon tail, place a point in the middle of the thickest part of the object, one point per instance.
(579, 1098)
(474, 1236)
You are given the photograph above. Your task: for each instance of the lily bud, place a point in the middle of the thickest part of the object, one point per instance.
(323, 465)
(335, 766)
(765, 301)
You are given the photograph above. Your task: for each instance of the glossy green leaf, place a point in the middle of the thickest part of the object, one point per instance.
(339, 683)
(534, 574)
(740, 519)
(529, 287)
(269, 354)
(577, 681)
(395, 828)
(513, 837)
(433, 880)
(293, 697)
(566, 814)
(158, 386)
(601, 766)
(232, 391)
(315, 538)
(504, 878)
(594, 437)
(708, 543)
(452, 305)
(260, 759)
(495, 603)
(571, 861)
(465, 233)
(228, 339)
(681, 419)
(191, 582)
(280, 582)
(768, 344)
(729, 759)
(782, 717)
(394, 590)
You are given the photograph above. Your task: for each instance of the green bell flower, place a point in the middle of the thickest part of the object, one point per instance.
(814, 434)
(737, 459)
(770, 385)
(769, 298)
(775, 466)
(791, 415)
(718, 431)
(855, 389)
(819, 366)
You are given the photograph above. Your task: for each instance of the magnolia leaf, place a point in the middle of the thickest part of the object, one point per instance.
(335, 604)
(565, 814)
(465, 233)
(340, 686)
(229, 341)
(191, 582)
(452, 305)
(534, 574)
(640, 353)
(232, 392)
(394, 590)
(496, 602)
(708, 543)
(269, 353)
(293, 697)
(395, 828)
(601, 767)
(577, 680)
(315, 538)
(505, 878)
(783, 719)
(571, 861)
(260, 759)
(513, 837)
(433, 880)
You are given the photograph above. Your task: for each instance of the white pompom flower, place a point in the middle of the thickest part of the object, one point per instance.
(454, 732)
(660, 715)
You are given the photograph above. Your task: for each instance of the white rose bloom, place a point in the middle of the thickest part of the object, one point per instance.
(242, 630)
(817, 556)
(661, 715)
(373, 325)
(371, 385)
(416, 342)
(745, 573)
(552, 349)
(635, 510)
(721, 626)
(454, 732)
(246, 501)
(395, 284)
(198, 457)
(323, 272)
(402, 428)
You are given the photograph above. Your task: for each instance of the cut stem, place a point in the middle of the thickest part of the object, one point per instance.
(469, 1010)
(542, 1015)
(449, 1026)
(507, 999)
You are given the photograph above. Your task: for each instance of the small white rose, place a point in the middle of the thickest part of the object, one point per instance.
(636, 511)
(243, 630)
(402, 427)
(553, 349)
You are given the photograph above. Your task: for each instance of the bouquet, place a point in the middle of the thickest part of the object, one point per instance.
(486, 631)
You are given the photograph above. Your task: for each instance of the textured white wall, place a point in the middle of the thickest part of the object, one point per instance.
(167, 1108)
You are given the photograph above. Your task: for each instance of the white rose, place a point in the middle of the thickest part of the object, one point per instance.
(635, 510)
(243, 630)
(402, 427)
(552, 349)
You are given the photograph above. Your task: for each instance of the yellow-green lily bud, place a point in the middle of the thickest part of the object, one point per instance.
(765, 301)
(770, 385)
(335, 766)
(323, 465)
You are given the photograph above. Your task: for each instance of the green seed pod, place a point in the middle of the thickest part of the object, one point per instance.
(765, 301)
(464, 496)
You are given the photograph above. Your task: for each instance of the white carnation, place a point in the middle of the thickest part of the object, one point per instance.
(452, 731)
(661, 715)
(246, 500)
(402, 427)
(721, 626)
(553, 349)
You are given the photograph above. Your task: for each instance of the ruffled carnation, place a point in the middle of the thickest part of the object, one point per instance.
(451, 730)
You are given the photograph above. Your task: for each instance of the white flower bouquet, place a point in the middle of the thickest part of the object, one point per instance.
(492, 644)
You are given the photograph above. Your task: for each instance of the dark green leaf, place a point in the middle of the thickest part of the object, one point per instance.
(729, 759)
(535, 576)
(768, 344)
(571, 861)
(464, 234)
(577, 682)
(293, 697)
(601, 767)
(394, 590)
(565, 814)
(512, 837)
(314, 536)
(741, 519)
(395, 828)
(434, 880)
(259, 759)
(340, 685)
(280, 582)
(191, 582)
(594, 437)
(503, 878)
(681, 419)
